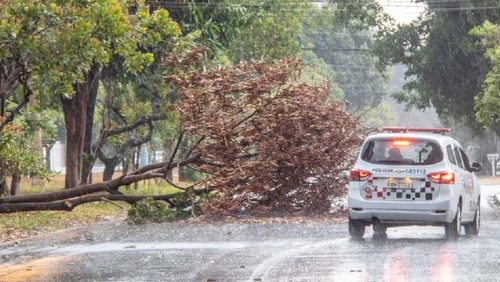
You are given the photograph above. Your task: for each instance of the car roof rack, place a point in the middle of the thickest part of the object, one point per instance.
(441, 130)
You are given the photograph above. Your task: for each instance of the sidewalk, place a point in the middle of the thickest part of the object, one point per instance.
(488, 180)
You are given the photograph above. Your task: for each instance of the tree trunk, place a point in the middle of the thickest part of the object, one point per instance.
(4, 187)
(14, 187)
(125, 163)
(109, 170)
(2, 106)
(167, 152)
(136, 164)
(89, 127)
(75, 129)
(110, 163)
(129, 157)
(75, 118)
(48, 148)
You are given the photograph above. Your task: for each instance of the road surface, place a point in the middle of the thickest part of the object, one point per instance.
(312, 251)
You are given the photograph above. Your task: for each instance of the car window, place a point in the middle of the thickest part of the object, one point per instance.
(465, 159)
(457, 156)
(451, 156)
(402, 151)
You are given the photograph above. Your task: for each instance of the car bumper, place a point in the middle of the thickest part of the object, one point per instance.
(403, 217)
(437, 212)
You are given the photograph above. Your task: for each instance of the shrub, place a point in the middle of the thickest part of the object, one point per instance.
(148, 210)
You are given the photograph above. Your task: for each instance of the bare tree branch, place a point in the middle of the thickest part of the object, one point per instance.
(70, 204)
(27, 95)
(140, 122)
(10, 78)
(179, 140)
(150, 173)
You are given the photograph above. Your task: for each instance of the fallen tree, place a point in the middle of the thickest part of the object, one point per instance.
(268, 141)
(264, 141)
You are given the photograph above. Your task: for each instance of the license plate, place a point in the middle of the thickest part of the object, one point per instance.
(399, 183)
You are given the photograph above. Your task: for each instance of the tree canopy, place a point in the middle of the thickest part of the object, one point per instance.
(446, 67)
(488, 103)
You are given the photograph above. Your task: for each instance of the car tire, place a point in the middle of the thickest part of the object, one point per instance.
(356, 229)
(472, 229)
(452, 229)
(379, 231)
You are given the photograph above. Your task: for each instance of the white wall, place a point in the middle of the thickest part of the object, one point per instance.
(58, 163)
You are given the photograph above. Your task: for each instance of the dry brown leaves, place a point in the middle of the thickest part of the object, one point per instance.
(268, 144)
(186, 61)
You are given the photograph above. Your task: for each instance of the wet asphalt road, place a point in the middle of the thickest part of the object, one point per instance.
(314, 251)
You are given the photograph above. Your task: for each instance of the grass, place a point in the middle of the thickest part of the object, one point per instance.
(19, 225)
(40, 221)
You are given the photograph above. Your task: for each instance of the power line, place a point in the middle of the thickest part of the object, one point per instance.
(404, 4)
(389, 2)
(337, 49)
(446, 9)
(351, 67)
(288, 7)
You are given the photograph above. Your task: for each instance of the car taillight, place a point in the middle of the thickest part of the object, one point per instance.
(442, 177)
(359, 175)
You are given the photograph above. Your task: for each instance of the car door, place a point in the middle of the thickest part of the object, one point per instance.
(469, 184)
(462, 181)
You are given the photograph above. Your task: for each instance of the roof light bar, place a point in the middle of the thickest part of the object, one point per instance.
(401, 143)
(441, 130)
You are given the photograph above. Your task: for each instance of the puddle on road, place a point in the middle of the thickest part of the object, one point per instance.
(40, 269)
(155, 246)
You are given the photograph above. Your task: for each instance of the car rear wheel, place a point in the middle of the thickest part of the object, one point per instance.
(356, 229)
(452, 229)
(473, 227)
(379, 230)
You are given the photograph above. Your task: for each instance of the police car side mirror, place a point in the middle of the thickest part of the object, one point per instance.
(476, 167)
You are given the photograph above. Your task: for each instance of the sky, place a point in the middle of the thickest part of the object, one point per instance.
(403, 11)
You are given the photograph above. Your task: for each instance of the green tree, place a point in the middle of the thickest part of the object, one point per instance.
(24, 26)
(488, 103)
(20, 150)
(242, 29)
(85, 38)
(446, 69)
(272, 31)
(355, 69)
(342, 36)
(134, 103)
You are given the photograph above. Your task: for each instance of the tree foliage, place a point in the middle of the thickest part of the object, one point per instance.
(267, 142)
(488, 104)
(22, 51)
(342, 36)
(243, 29)
(446, 69)
(19, 156)
(133, 103)
(83, 39)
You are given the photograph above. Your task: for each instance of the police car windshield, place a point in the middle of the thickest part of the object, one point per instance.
(402, 151)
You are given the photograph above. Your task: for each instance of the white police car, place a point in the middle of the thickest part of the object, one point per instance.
(413, 176)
